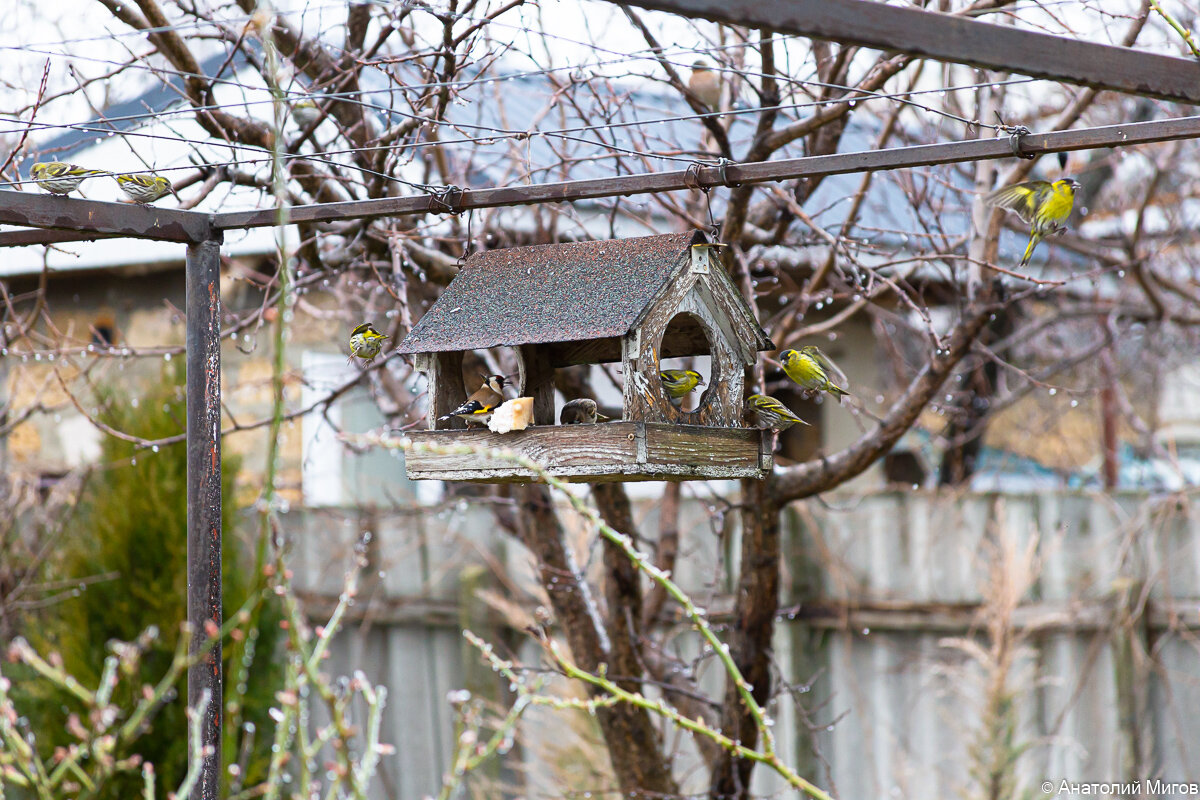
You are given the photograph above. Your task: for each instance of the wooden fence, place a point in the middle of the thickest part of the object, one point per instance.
(913, 668)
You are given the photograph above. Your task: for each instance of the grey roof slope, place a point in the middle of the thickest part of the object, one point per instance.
(570, 292)
(131, 114)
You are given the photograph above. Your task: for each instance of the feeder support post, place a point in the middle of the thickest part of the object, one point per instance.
(203, 304)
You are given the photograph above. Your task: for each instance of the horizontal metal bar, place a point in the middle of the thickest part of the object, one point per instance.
(714, 176)
(92, 216)
(957, 39)
(27, 236)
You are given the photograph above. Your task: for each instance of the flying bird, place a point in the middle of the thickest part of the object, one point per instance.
(365, 342)
(1042, 204)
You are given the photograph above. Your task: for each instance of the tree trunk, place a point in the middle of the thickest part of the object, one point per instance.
(750, 638)
(633, 743)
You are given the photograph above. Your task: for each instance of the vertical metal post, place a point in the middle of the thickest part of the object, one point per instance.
(203, 302)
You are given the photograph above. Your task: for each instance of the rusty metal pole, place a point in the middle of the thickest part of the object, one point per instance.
(203, 302)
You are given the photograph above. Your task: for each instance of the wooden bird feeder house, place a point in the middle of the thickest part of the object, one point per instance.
(635, 301)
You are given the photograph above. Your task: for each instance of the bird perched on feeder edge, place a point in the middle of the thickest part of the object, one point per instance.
(679, 383)
(144, 187)
(365, 342)
(705, 85)
(479, 406)
(59, 177)
(581, 412)
(813, 371)
(1042, 204)
(765, 412)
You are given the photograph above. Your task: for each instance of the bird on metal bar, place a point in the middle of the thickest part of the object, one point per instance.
(59, 177)
(581, 412)
(144, 187)
(1042, 204)
(479, 406)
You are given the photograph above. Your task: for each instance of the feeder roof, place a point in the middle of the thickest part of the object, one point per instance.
(577, 291)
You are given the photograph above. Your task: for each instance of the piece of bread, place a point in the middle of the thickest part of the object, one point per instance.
(512, 415)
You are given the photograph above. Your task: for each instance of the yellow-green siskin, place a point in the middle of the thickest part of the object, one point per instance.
(365, 342)
(581, 412)
(305, 112)
(144, 187)
(813, 370)
(1044, 205)
(58, 177)
(765, 412)
(679, 383)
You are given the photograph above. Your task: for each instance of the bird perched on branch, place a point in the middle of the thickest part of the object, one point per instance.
(305, 112)
(763, 411)
(58, 177)
(479, 406)
(679, 383)
(705, 85)
(581, 412)
(813, 370)
(144, 187)
(365, 342)
(1042, 204)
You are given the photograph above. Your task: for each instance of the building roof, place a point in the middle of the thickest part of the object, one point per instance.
(571, 292)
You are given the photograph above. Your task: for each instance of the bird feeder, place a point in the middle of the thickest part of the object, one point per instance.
(635, 301)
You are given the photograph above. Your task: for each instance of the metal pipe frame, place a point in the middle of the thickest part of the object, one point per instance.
(957, 39)
(203, 307)
(69, 223)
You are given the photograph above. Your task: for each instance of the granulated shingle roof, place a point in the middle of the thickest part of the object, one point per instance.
(576, 291)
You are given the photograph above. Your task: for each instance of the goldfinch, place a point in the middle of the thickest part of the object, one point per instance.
(813, 370)
(705, 84)
(1044, 205)
(766, 412)
(679, 383)
(480, 405)
(581, 412)
(144, 187)
(365, 342)
(58, 177)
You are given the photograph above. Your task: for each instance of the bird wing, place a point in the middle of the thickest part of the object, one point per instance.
(832, 371)
(1021, 198)
(470, 408)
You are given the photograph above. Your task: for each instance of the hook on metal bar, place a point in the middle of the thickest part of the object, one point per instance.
(1015, 134)
(447, 197)
(723, 165)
